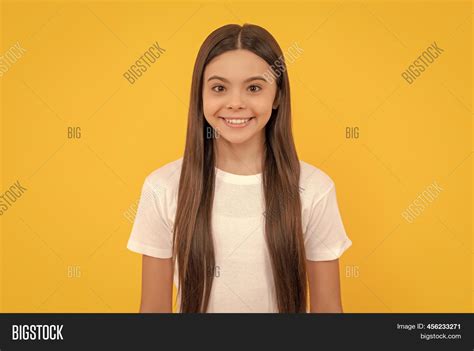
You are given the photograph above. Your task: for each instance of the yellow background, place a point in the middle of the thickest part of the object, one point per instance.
(349, 75)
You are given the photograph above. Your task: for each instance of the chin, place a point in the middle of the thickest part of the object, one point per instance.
(236, 139)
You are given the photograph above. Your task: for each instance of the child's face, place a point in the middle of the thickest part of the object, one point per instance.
(235, 90)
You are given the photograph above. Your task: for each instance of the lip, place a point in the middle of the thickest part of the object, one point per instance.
(242, 125)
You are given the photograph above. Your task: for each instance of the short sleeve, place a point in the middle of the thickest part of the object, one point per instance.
(151, 233)
(325, 236)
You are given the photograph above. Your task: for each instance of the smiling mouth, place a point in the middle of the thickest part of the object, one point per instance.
(233, 121)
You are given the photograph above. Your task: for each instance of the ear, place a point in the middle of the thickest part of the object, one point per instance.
(276, 102)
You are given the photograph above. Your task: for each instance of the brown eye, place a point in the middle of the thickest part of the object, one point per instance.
(254, 88)
(218, 88)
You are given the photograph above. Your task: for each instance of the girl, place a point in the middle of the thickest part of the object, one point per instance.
(239, 223)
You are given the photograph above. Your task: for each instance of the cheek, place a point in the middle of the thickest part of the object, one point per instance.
(210, 105)
(262, 107)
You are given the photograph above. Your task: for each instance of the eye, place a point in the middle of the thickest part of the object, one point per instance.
(254, 88)
(218, 88)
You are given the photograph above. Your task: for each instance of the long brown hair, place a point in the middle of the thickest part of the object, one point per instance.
(193, 244)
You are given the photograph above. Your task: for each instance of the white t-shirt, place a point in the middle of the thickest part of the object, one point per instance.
(243, 280)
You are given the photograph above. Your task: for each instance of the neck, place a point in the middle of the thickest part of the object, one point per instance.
(243, 159)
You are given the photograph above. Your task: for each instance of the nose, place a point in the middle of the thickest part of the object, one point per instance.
(235, 102)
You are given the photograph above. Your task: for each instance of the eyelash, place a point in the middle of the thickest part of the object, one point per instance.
(221, 86)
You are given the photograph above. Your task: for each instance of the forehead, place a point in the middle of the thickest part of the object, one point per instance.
(236, 65)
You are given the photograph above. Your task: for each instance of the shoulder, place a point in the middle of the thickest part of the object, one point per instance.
(166, 177)
(314, 182)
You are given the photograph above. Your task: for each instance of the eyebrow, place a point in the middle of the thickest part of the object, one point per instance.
(245, 81)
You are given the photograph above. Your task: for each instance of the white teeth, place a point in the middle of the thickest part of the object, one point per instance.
(237, 121)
